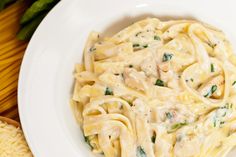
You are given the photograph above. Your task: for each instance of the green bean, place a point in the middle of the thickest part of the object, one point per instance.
(36, 8)
(3, 3)
(27, 31)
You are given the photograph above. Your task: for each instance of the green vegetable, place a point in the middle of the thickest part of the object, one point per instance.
(227, 106)
(37, 8)
(140, 152)
(169, 115)
(211, 45)
(159, 83)
(167, 57)
(214, 122)
(4, 3)
(86, 139)
(27, 31)
(192, 79)
(136, 45)
(153, 139)
(92, 49)
(224, 114)
(108, 91)
(212, 90)
(138, 34)
(157, 37)
(233, 83)
(212, 68)
(145, 46)
(176, 127)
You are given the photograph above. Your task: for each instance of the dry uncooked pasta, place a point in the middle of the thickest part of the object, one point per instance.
(158, 89)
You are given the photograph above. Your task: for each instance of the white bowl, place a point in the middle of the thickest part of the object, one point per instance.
(46, 77)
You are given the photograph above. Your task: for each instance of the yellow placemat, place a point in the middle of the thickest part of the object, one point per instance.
(11, 54)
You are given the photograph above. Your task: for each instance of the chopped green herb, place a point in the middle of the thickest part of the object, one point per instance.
(140, 152)
(212, 68)
(211, 44)
(212, 90)
(86, 139)
(159, 83)
(153, 137)
(136, 45)
(199, 85)
(176, 127)
(231, 105)
(222, 122)
(169, 115)
(192, 79)
(214, 122)
(131, 66)
(226, 105)
(157, 37)
(130, 103)
(224, 114)
(138, 34)
(167, 57)
(233, 83)
(145, 46)
(108, 91)
(92, 49)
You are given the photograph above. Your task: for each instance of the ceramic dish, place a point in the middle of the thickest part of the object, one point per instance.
(46, 77)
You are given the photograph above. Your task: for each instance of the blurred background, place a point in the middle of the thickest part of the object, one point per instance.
(18, 21)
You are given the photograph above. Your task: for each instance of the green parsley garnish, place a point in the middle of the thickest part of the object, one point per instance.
(145, 46)
(224, 114)
(108, 91)
(92, 49)
(153, 139)
(157, 37)
(191, 79)
(138, 34)
(233, 83)
(214, 122)
(176, 126)
(169, 115)
(212, 90)
(212, 68)
(86, 139)
(159, 83)
(211, 45)
(140, 152)
(167, 57)
(136, 45)
(131, 66)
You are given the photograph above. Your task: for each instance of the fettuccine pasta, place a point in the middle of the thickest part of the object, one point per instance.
(158, 89)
